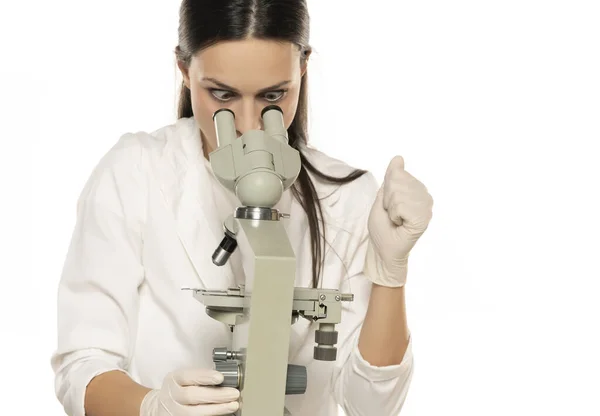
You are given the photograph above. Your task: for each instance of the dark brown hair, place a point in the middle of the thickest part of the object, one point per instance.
(203, 23)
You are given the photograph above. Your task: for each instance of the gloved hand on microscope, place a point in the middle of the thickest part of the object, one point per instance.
(191, 392)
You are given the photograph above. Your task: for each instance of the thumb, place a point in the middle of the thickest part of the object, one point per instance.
(397, 163)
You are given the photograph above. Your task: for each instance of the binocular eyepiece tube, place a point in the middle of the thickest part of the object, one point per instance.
(271, 115)
(257, 188)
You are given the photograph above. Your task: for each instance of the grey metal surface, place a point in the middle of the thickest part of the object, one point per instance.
(223, 354)
(257, 213)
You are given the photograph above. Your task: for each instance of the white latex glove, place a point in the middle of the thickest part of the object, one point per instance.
(399, 216)
(191, 392)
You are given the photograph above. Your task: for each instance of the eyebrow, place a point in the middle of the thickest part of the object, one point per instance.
(227, 87)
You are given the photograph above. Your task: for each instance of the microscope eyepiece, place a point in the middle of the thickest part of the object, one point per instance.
(224, 121)
(270, 107)
(222, 109)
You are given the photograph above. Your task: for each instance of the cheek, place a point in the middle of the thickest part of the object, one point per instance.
(204, 107)
(289, 107)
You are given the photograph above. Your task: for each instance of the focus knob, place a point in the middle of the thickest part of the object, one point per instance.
(296, 379)
(325, 338)
(231, 373)
(325, 353)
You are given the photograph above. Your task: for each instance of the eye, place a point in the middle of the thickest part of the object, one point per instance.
(224, 95)
(273, 96)
(221, 95)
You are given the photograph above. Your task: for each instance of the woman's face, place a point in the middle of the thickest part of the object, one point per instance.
(244, 76)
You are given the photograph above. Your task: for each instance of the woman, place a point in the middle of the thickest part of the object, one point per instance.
(130, 341)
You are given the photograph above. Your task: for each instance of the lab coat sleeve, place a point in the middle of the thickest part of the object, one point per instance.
(97, 295)
(360, 388)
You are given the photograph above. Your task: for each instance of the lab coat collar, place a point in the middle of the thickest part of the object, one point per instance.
(185, 184)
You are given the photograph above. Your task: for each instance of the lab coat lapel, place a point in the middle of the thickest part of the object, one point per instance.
(188, 194)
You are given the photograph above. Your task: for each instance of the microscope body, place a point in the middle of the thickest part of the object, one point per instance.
(258, 167)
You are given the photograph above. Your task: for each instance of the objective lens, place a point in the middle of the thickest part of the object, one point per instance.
(224, 251)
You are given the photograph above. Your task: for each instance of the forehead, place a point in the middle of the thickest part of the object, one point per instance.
(248, 64)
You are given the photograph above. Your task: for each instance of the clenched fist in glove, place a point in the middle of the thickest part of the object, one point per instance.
(192, 392)
(399, 216)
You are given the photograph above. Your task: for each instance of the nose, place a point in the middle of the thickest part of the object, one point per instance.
(248, 119)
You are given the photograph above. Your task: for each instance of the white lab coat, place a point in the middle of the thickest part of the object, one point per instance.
(148, 220)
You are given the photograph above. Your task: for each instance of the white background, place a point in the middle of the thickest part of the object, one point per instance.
(495, 106)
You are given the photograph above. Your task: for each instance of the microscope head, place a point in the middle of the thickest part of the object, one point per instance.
(258, 166)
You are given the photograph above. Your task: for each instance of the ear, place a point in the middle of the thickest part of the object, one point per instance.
(303, 69)
(305, 55)
(184, 72)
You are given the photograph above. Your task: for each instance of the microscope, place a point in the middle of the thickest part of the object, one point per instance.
(258, 167)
